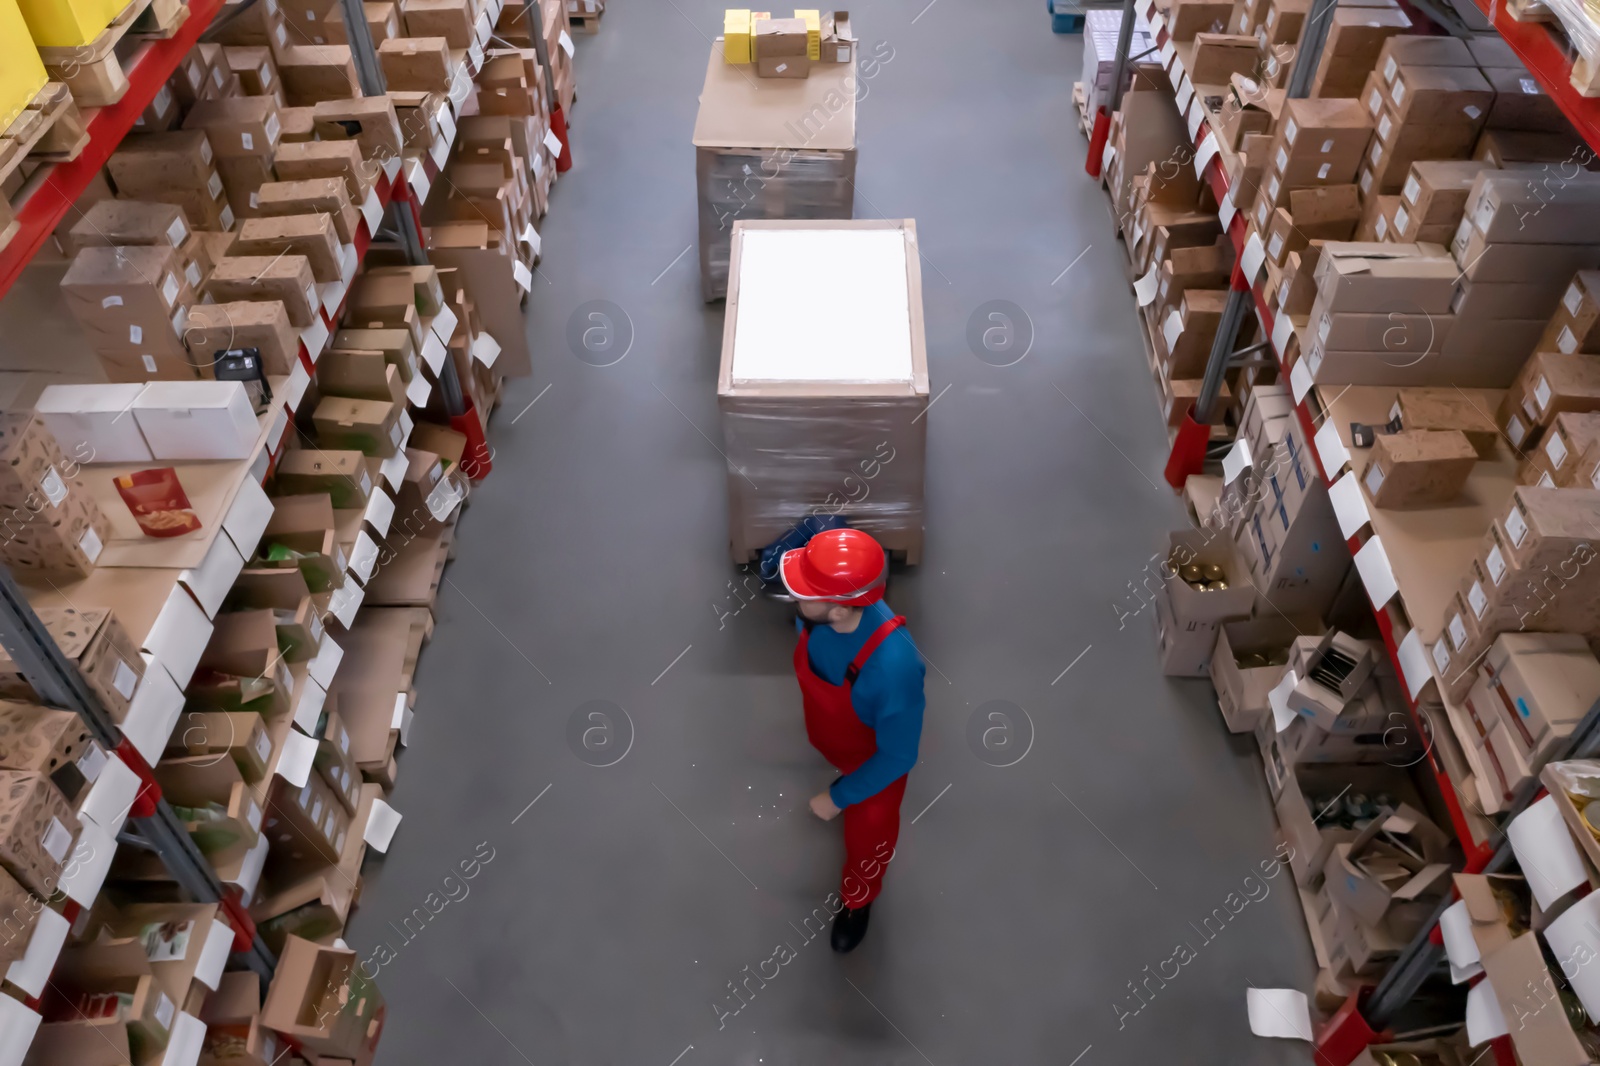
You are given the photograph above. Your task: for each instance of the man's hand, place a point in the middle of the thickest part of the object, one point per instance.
(822, 806)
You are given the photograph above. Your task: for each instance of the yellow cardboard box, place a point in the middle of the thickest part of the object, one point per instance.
(813, 21)
(67, 23)
(21, 73)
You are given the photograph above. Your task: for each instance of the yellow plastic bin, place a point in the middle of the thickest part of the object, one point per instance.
(21, 73)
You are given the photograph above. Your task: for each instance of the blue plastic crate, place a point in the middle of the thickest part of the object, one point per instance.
(1066, 21)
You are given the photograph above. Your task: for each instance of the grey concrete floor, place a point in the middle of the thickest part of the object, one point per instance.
(1025, 900)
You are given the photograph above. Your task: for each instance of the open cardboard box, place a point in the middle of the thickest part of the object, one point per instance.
(320, 999)
(1395, 860)
(234, 1033)
(1307, 830)
(119, 965)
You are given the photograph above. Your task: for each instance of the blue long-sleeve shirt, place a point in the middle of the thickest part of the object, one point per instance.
(887, 698)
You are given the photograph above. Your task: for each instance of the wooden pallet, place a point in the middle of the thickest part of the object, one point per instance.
(50, 129)
(94, 72)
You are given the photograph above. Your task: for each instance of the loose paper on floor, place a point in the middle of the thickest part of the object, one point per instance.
(1279, 1012)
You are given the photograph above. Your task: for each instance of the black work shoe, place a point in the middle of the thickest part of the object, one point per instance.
(849, 927)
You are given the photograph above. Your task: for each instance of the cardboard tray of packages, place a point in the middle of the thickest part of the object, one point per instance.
(738, 110)
(210, 485)
(1429, 550)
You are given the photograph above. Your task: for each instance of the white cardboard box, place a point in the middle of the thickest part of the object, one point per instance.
(99, 417)
(197, 419)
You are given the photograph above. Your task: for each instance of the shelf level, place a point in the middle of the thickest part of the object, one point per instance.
(43, 210)
(1547, 59)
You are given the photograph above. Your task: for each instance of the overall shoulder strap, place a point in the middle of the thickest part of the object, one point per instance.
(880, 635)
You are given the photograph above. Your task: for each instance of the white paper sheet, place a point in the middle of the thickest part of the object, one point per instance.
(1414, 667)
(381, 824)
(1455, 925)
(1279, 1012)
(31, 972)
(1575, 939)
(1485, 1020)
(1208, 151)
(1330, 447)
(1278, 700)
(1145, 287)
(1349, 506)
(1546, 852)
(1255, 254)
(1377, 574)
(294, 762)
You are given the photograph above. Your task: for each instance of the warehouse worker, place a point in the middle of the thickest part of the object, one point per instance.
(861, 684)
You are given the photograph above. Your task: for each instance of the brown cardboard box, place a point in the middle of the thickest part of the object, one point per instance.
(308, 825)
(1523, 207)
(1566, 454)
(1218, 56)
(240, 735)
(1379, 278)
(1519, 102)
(1187, 333)
(776, 38)
(1543, 683)
(371, 427)
(303, 160)
(33, 471)
(1440, 94)
(38, 738)
(321, 999)
(1435, 192)
(1421, 51)
(1189, 17)
(312, 236)
(416, 64)
(238, 126)
(343, 475)
(1525, 264)
(1523, 985)
(1441, 409)
(304, 524)
(313, 195)
(129, 296)
(1418, 468)
(1479, 301)
(316, 72)
(260, 324)
(450, 19)
(65, 543)
(1545, 526)
(336, 763)
(1368, 877)
(1248, 661)
(93, 639)
(1575, 326)
(370, 121)
(286, 279)
(1549, 383)
(243, 644)
(37, 830)
(125, 222)
(234, 1034)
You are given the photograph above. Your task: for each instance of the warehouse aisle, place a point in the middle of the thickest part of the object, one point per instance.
(612, 908)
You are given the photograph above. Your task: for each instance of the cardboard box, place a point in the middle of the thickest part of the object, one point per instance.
(449, 19)
(312, 236)
(371, 427)
(312, 196)
(370, 121)
(416, 64)
(239, 735)
(1440, 95)
(1309, 816)
(321, 1000)
(336, 763)
(1368, 877)
(110, 223)
(1544, 683)
(304, 160)
(92, 420)
(44, 740)
(1418, 468)
(1526, 991)
(1448, 409)
(1216, 57)
(1379, 278)
(343, 475)
(260, 324)
(1549, 384)
(197, 420)
(133, 296)
(1184, 648)
(1185, 18)
(238, 126)
(1520, 103)
(1523, 207)
(92, 639)
(1575, 326)
(304, 524)
(1524, 264)
(37, 830)
(286, 279)
(1566, 453)
(1249, 660)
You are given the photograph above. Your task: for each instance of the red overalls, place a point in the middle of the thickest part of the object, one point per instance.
(872, 826)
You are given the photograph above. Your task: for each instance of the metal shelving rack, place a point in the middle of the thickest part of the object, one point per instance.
(150, 822)
(1366, 1016)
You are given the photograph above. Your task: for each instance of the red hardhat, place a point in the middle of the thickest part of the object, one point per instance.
(844, 566)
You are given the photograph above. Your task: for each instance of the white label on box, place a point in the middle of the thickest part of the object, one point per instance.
(246, 140)
(214, 186)
(1515, 431)
(1411, 190)
(538, 165)
(1497, 565)
(1516, 525)
(1290, 132)
(566, 44)
(135, 334)
(1476, 599)
(54, 489)
(1458, 632)
(1546, 482)
(1236, 461)
(92, 761)
(149, 363)
(1327, 146)
(226, 216)
(1402, 219)
(177, 233)
(1541, 392)
(552, 143)
(1275, 246)
(164, 1011)
(272, 125)
(1377, 573)
(110, 301)
(396, 435)
(1184, 95)
(1389, 67)
(1272, 194)
(169, 289)
(56, 840)
(1384, 125)
(485, 349)
(124, 680)
(1556, 449)
(1441, 656)
(1374, 478)
(1566, 341)
(191, 272)
(1366, 182)
(1572, 299)
(263, 747)
(1324, 325)
(1382, 227)
(1376, 154)
(1530, 410)
(1399, 91)
(1471, 111)
(1283, 159)
(843, 55)
(1282, 330)
(1323, 170)
(1145, 288)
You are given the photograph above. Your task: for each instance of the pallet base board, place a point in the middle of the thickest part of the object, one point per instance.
(49, 129)
(92, 71)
